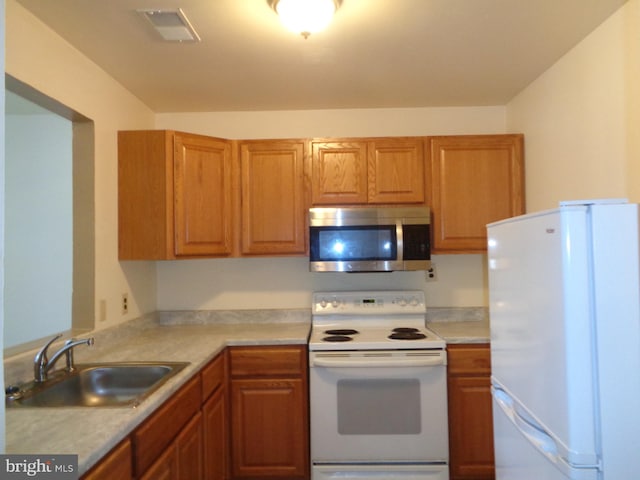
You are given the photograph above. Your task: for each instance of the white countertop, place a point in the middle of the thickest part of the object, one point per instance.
(462, 332)
(460, 324)
(91, 432)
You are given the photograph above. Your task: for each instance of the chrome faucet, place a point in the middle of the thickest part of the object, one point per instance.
(42, 364)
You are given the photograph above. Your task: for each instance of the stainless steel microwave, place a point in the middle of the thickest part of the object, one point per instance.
(382, 239)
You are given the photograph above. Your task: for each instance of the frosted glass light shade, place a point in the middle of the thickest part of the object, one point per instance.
(305, 16)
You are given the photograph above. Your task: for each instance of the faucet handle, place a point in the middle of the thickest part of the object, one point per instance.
(40, 360)
(42, 353)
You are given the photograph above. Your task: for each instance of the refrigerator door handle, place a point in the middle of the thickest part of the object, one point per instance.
(538, 437)
(527, 426)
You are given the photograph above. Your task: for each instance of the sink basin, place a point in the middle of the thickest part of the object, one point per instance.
(99, 385)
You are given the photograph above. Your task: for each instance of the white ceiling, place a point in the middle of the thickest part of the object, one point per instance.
(376, 53)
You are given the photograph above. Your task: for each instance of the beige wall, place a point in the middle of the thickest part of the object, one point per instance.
(38, 57)
(339, 123)
(581, 118)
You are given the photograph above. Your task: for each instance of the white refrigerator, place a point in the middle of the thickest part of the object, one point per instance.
(565, 342)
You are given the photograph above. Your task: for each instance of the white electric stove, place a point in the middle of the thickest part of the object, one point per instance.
(378, 389)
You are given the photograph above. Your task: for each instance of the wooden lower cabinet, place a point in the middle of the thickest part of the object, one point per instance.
(116, 464)
(183, 458)
(255, 426)
(470, 414)
(189, 449)
(165, 467)
(216, 438)
(157, 433)
(269, 413)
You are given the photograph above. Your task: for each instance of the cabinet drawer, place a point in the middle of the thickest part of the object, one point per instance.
(159, 430)
(213, 376)
(469, 359)
(267, 361)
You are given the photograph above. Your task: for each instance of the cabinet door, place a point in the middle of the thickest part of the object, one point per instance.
(396, 171)
(470, 413)
(273, 201)
(475, 180)
(470, 428)
(165, 467)
(189, 449)
(339, 173)
(202, 190)
(269, 429)
(159, 430)
(215, 436)
(116, 464)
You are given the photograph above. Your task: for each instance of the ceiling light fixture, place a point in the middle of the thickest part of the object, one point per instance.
(305, 16)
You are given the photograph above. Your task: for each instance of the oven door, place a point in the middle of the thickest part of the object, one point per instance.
(380, 407)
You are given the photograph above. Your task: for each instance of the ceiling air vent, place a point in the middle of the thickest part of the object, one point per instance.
(172, 25)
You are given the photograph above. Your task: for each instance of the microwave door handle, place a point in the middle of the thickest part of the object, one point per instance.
(399, 242)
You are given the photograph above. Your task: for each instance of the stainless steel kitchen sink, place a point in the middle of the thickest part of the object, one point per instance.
(97, 385)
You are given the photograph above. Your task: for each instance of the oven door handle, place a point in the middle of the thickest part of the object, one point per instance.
(379, 362)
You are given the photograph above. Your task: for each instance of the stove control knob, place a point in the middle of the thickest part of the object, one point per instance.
(402, 302)
(335, 303)
(414, 302)
(323, 303)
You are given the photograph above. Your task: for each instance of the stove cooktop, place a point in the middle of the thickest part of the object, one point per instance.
(374, 338)
(371, 320)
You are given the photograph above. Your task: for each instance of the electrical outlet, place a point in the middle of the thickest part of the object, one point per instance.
(125, 303)
(431, 275)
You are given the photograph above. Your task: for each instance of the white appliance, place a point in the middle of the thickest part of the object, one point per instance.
(378, 388)
(565, 342)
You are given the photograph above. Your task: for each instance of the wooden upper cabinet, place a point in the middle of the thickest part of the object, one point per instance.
(339, 172)
(475, 180)
(202, 193)
(367, 171)
(174, 195)
(273, 197)
(396, 171)
(187, 196)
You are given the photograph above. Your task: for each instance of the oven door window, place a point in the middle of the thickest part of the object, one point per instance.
(334, 244)
(379, 407)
